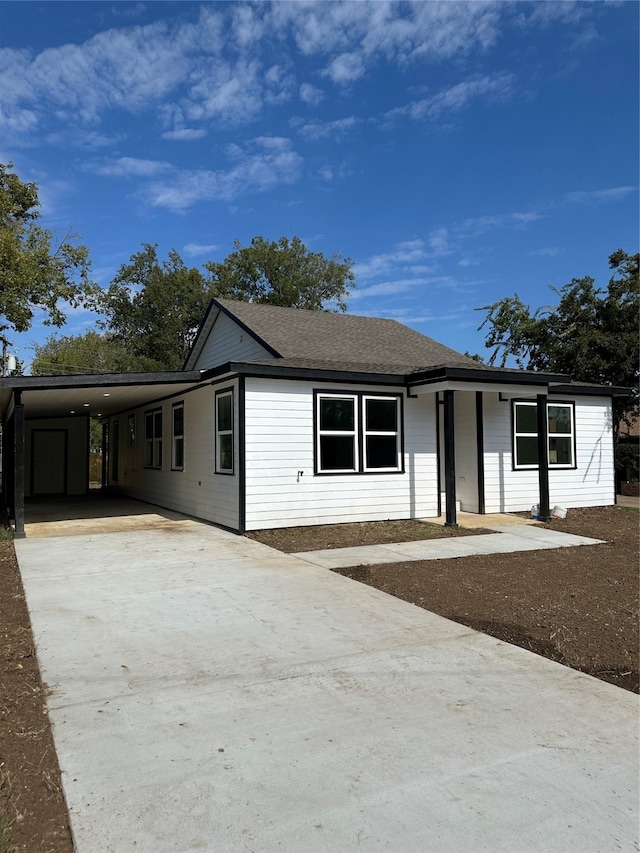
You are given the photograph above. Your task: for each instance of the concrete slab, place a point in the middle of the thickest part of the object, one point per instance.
(507, 538)
(209, 693)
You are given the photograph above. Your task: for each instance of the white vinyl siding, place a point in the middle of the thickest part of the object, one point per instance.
(227, 341)
(589, 483)
(281, 488)
(198, 491)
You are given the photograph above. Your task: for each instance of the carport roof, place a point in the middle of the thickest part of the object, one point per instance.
(92, 394)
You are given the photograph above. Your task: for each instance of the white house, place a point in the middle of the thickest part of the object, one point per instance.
(285, 417)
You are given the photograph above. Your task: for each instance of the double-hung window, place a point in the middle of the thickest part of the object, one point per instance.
(153, 439)
(357, 433)
(337, 448)
(177, 437)
(381, 434)
(561, 434)
(224, 432)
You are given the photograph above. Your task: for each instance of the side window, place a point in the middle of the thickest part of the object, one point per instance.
(131, 431)
(177, 437)
(561, 430)
(337, 431)
(224, 432)
(153, 439)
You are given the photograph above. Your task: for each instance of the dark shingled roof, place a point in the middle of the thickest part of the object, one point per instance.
(346, 341)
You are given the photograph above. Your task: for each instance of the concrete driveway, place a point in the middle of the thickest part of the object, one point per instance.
(211, 694)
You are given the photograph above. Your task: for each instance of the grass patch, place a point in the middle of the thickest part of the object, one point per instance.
(6, 840)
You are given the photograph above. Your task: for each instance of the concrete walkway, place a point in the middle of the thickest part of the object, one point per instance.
(512, 537)
(211, 694)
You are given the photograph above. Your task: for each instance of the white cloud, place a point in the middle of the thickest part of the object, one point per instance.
(600, 196)
(272, 164)
(185, 134)
(195, 250)
(317, 130)
(550, 252)
(439, 242)
(125, 167)
(311, 94)
(457, 98)
(409, 254)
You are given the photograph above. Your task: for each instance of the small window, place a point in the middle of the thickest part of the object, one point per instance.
(337, 430)
(177, 437)
(224, 432)
(561, 434)
(153, 439)
(131, 431)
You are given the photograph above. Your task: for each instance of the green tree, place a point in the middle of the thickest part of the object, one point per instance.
(89, 353)
(283, 273)
(591, 334)
(35, 273)
(154, 309)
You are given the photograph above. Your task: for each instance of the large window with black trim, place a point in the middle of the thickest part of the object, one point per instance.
(224, 431)
(561, 434)
(357, 433)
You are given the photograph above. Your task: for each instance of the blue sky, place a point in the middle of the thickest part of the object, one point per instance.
(458, 152)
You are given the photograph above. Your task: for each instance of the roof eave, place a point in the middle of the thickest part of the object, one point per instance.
(478, 374)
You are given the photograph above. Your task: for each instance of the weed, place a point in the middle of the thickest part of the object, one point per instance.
(6, 841)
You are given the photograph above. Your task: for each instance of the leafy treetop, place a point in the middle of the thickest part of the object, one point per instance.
(34, 274)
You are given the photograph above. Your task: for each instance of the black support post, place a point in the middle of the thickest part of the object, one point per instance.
(480, 451)
(543, 457)
(449, 459)
(18, 485)
(105, 455)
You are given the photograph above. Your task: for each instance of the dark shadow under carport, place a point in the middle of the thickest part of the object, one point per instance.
(95, 512)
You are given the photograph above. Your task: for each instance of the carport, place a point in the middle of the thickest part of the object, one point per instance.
(45, 428)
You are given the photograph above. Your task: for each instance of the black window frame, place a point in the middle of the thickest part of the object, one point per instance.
(131, 430)
(175, 438)
(534, 466)
(360, 432)
(153, 460)
(228, 472)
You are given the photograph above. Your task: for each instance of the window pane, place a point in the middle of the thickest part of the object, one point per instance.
(148, 454)
(382, 451)
(526, 451)
(157, 424)
(559, 419)
(526, 418)
(337, 453)
(148, 426)
(381, 416)
(560, 451)
(157, 462)
(178, 420)
(226, 452)
(337, 414)
(178, 453)
(224, 412)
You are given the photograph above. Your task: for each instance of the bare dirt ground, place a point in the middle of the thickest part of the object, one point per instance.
(578, 606)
